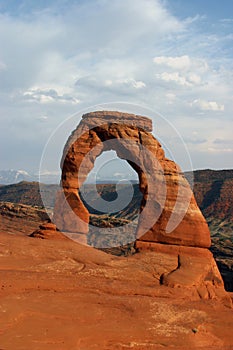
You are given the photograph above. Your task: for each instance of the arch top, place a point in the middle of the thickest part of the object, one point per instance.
(96, 118)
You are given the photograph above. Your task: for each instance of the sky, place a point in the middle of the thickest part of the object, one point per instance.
(174, 57)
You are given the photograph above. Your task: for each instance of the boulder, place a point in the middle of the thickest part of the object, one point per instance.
(48, 230)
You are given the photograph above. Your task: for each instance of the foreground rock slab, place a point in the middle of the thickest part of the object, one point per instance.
(57, 294)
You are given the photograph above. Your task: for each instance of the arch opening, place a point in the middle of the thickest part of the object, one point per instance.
(110, 179)
(109, 168)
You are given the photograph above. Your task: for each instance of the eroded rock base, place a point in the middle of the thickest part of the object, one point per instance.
(195, 268)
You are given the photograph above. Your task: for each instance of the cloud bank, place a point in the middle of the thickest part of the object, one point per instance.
(68, 55)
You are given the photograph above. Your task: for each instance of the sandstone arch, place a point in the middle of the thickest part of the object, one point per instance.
(128, 134)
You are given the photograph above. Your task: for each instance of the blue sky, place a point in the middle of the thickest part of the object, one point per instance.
(214, 10)
(60, 57)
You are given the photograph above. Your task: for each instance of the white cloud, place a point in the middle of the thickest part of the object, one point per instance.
(48, 95)
(189, 80)
(131, 83)
(59, 49)
(174, 77)
(208, 105)
(222, 150)
(180, 63)
(138, 84)
(182, 70)
(43, 118)
(171, 97)
(119, 82)
(194, 78)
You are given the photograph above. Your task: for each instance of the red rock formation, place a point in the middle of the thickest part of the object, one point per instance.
(196, 268)
(170, 222)
(166, 193)
(47, 230)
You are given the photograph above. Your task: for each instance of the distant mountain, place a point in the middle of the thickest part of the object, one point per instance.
(8, 177)
(11, 176)
(14, 176)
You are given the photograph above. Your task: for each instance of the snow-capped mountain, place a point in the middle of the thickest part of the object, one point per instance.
(14, 176)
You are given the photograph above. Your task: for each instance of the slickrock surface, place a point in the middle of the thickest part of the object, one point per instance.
(88, 141)
(20, 218)
(61, 295)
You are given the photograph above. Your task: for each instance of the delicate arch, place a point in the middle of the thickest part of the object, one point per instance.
(129, 135)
